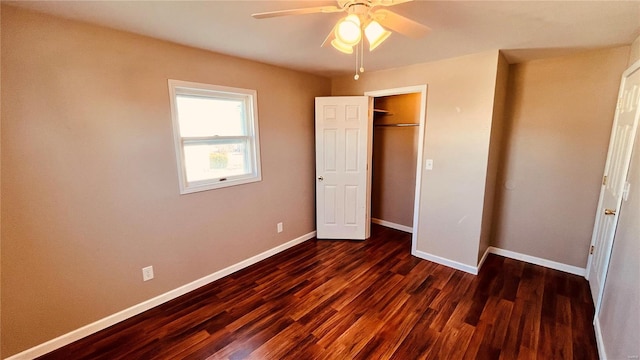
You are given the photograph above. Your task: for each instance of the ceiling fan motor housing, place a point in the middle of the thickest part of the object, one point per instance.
(358, 7)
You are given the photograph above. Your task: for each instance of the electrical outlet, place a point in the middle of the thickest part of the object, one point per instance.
(280, 227)
(147, 273)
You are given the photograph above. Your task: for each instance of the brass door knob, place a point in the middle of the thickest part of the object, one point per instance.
(609, 211)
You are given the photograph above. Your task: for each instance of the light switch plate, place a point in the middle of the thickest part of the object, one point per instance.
(428, 164)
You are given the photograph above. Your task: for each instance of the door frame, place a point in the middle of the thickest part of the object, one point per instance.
(422, 90)
(627, 161)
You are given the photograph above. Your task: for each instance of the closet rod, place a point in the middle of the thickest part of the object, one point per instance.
(396, 125)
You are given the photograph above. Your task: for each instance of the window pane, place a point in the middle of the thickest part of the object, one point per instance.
(205, 116)
(204, 161)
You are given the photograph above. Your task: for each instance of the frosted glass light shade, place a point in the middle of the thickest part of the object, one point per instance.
(342, 47)
(348, 30)
(375, 34)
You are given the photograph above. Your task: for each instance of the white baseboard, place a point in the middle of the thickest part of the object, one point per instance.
(389, 224)
(602, 354)
(506, 253)
(539, 261)
(484, 257)
(110, 320)
(446, 262)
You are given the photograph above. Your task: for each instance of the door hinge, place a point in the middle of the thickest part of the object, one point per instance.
(619, 104)
(604, 180)
(591, 250)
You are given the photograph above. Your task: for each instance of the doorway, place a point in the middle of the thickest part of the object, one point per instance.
(344, 132)
(399, 116)
(395, 155)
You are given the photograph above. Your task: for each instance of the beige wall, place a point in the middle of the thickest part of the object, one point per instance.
(89, 179)
(495, 154)
(395, 152)
(620, 312)
(559, 115)
(459, 113)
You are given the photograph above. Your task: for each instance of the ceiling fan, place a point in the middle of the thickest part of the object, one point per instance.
(368, 17)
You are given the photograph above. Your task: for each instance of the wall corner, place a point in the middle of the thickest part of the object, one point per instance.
(496, 140)
(634, 53)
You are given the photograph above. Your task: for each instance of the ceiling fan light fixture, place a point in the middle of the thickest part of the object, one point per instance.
(348, 30)
(342, 47)
(375, 34)
(364, 18)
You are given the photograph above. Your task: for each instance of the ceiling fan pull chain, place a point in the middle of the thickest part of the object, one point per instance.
(356, 76)
(361, 56)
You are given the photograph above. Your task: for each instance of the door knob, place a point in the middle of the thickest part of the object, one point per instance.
(320, 178)
(609, 212)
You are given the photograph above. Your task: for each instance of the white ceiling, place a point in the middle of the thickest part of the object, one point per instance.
(527, 29)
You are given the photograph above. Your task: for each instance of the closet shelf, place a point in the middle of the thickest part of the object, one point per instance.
(382, 112)
(397, 125)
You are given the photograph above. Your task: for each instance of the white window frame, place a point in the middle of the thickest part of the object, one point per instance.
(249, 98)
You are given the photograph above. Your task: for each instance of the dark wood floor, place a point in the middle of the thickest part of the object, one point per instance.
(361, 300)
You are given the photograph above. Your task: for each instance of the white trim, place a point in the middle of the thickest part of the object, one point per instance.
(446, 262)
(484, 257)
(125, 314)
(422, 90)
(602, 353)
(538, 261)
(392, 225)
(506, 253)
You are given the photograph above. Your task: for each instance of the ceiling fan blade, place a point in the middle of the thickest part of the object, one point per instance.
(400, 24)
(310, 10)
(330, 37)
(389, 2)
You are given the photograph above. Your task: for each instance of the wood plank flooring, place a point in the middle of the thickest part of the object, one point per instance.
(361, 300)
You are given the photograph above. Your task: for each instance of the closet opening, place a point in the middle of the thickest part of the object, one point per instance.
(396, 125)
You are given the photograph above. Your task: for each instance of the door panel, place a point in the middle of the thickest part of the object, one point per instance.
(330, 150)
(343, 148)
(614, 180)
(351, 150)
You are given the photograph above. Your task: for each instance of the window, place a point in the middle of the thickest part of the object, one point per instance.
(216, 135)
